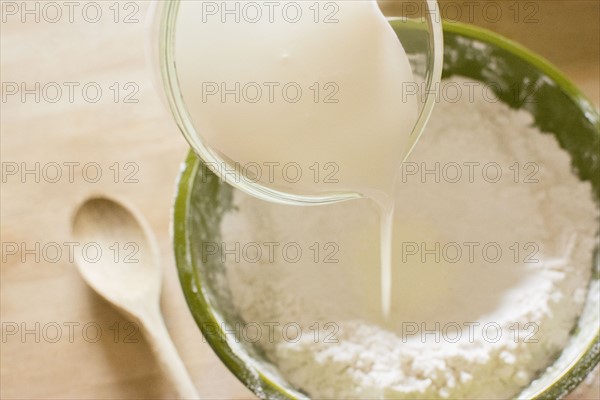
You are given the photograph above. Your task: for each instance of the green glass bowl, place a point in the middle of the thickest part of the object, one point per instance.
(557, 106)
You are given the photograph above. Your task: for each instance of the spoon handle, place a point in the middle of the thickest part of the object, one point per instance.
(166, 353)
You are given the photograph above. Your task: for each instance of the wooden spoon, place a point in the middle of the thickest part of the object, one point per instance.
(129, 276)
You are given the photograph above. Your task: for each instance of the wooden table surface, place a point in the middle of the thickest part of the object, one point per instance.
(59, 339)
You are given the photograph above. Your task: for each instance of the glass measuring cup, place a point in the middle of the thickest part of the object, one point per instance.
(418, 26)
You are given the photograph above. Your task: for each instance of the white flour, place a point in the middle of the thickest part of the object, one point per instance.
(529, 308)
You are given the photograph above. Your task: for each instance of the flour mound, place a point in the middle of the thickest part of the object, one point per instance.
(467, 329)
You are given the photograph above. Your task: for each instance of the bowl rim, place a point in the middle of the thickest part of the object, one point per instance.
(258, 382)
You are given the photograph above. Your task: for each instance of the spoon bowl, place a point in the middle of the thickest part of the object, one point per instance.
(127, 270)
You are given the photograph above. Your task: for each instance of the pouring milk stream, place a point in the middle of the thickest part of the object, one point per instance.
(306, 97)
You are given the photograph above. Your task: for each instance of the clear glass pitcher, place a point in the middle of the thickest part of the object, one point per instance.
(417, 24)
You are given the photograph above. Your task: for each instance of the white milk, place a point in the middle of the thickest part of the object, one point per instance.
(304, 96)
